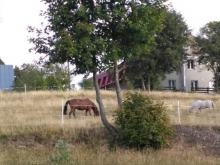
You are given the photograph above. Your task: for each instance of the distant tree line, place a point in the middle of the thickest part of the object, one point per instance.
(53, 76)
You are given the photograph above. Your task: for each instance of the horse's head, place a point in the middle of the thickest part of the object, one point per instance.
(96, 112)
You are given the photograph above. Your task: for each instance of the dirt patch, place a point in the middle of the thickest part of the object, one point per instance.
(208, 138)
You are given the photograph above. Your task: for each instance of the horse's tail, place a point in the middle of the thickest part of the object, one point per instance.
(65, 108)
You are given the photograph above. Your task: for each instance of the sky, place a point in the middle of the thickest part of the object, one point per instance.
(17, 15)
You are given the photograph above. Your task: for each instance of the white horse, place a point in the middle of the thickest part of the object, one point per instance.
(199, 104)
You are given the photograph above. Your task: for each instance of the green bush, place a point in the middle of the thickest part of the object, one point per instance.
(61, 156)
(142, 123)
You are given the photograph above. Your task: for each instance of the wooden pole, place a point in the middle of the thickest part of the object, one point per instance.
(178, 110)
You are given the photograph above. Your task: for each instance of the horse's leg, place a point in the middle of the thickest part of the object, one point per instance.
(70, 113)
(90, 112)
(74, 110)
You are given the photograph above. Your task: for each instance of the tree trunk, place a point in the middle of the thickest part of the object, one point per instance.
(110, 127)
(117, 85)
(69, 74)
(143, 84)
(148, 83)
(217, 81)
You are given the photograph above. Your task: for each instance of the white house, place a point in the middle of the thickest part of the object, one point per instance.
(192, 76)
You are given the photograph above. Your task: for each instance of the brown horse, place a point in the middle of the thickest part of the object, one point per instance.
(80, 104)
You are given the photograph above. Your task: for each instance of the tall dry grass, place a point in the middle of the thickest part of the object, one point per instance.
(24, 114)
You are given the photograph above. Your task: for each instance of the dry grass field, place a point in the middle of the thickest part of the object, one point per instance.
(31, 124)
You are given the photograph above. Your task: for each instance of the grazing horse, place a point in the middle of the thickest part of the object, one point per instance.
(80, 104)
(199, 104)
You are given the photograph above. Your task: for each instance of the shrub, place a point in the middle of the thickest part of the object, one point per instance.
(142, 123)
(61, 156)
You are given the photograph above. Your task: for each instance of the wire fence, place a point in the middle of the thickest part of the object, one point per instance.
(178, 111)
(26, 88)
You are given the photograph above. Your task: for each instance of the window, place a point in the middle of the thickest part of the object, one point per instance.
(172, 84)
(191, 64)
(194, 85)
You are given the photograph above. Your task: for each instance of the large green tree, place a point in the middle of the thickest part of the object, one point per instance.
(94, 34)
(128, 29)
(208, 42)
(73, 36)
(166, 56)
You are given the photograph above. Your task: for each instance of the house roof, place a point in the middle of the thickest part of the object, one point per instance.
(105, 79)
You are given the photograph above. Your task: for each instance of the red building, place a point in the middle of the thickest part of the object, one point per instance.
(105, 79)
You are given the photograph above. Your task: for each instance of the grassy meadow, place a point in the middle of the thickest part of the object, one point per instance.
(31, 124)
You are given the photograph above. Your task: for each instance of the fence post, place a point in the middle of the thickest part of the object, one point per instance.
(62, 111)
(178, 110)
(24, 88)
